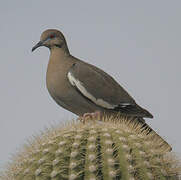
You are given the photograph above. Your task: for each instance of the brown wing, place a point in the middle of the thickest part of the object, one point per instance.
(91, 81)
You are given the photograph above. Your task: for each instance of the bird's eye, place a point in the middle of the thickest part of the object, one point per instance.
(52, 36)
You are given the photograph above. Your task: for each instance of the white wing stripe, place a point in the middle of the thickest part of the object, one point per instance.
(82, 89)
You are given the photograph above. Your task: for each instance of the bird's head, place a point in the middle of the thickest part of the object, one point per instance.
(52, 38)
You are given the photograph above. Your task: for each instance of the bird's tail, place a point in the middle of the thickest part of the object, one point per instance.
(149, 131)
(138, 125)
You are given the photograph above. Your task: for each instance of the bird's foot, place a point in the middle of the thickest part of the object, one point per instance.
(90, 116)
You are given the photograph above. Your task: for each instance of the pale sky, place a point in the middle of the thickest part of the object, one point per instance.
(137, 42)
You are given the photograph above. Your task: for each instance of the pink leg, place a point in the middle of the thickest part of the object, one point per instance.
(93, 116)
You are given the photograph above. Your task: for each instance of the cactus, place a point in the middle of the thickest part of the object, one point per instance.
(110, 149)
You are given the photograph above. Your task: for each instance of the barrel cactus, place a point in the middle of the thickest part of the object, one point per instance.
(111, 149)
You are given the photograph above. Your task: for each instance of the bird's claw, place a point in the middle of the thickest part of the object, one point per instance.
(90, 116)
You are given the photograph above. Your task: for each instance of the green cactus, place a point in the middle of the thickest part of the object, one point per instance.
(111, 149)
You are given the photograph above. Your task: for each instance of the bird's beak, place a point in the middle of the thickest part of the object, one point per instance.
(40, 43)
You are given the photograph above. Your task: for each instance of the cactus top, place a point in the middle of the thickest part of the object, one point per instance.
(94, 150)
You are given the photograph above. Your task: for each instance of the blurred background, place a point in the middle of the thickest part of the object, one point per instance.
(137, 42)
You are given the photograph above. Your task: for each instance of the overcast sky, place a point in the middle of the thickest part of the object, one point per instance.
(137, 42)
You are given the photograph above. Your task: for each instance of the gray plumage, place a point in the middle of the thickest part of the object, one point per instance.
(81, 87)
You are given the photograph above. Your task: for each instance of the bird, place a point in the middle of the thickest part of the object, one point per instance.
(83, 88)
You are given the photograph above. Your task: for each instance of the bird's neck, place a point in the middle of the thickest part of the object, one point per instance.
(61, 47)
(58, 65)
(58, 54)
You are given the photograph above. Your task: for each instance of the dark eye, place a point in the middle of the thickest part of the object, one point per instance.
(52, 36)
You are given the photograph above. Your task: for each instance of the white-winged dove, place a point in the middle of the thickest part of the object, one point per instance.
(81, 87)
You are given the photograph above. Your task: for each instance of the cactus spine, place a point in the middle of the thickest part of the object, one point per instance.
(107, 150)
